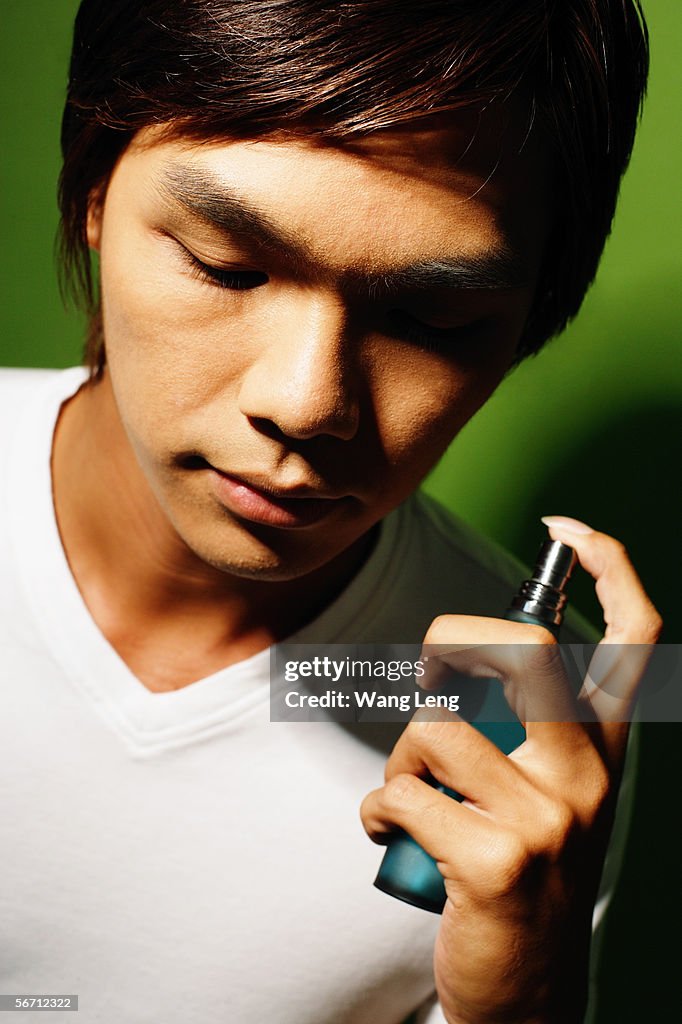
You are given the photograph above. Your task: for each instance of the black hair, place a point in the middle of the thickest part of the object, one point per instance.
(246, 68)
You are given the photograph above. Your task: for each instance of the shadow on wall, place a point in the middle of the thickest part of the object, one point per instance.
(627, 482)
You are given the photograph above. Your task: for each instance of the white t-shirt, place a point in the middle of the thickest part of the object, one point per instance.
(176, 856)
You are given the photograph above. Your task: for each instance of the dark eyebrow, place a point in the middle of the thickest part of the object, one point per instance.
(494, 271)
(212, 201)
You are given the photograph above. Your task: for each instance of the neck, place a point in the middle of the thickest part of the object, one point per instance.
(145, 588)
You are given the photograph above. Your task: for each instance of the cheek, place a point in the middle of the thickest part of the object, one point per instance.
(152, 315)
(171, 350)
(421, 411)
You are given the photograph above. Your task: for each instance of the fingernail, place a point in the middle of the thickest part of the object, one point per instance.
(567, 524)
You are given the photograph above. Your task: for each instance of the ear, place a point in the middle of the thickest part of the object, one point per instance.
(93, 227)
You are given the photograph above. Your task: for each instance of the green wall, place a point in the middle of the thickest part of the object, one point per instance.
(588, 428)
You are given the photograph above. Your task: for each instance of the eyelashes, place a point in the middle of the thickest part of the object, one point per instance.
(399, 323)
(231, 280)
(434, 339)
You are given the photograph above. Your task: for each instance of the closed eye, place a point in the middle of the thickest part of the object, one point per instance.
(401, 324)
(232, 280)
(405, 326)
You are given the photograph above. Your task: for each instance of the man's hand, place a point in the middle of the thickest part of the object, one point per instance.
(521, 855)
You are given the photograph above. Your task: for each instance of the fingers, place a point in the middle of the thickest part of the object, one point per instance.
(529, 808)
(484, 854)
(629, 615)
(515, 813)
(632, 626)
(527, 659)
(459, 757)
(452, 834)
(560, 754)
(612, 679)
(524, 657)
(468, 643)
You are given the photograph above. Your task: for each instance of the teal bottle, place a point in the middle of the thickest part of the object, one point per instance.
(407, 871)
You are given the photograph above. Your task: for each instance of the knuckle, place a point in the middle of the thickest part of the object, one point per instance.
(503, 864)
(613, 548)
(399, 791)
(541, 652)
(432, 735)
(559, 825)
(652, 626)
(601, 793)
(597, 793)
(440, 630)
(435, 734)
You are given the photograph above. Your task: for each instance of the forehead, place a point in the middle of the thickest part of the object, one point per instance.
(465, 185)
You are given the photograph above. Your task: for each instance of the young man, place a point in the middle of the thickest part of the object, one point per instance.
(325, 234)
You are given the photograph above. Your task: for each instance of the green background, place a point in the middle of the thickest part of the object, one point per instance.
(589, 428)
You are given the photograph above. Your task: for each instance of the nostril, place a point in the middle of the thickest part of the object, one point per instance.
(267, 428)
(295, 436)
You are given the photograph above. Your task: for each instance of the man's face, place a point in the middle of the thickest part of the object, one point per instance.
(296, 330)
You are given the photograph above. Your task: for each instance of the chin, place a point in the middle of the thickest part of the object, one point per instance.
(254, 551)
(272, 569)
(265, 558)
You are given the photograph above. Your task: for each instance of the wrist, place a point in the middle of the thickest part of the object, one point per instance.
(564, 1005)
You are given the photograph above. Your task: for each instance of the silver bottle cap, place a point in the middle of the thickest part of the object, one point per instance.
(542, 596)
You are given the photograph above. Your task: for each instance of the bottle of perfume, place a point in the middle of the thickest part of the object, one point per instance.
(407, 871)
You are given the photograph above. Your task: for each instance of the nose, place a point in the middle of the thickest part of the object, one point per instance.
(303, 377)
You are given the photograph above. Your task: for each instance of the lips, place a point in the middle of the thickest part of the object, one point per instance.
(291, 509)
